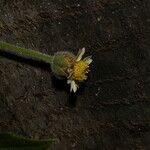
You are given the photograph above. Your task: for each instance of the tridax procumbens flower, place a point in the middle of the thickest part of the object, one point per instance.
(73, 67)
(63, 64)
(79, 71)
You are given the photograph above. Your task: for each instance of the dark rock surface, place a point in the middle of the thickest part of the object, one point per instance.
(112, 110)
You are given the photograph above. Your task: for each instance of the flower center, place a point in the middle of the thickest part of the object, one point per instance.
(80, 70)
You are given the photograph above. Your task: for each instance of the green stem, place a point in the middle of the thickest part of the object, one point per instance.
(25, 52)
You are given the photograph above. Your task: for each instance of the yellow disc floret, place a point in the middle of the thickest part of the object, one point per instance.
(80, 69)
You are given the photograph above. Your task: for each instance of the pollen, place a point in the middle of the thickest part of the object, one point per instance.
(80, 70)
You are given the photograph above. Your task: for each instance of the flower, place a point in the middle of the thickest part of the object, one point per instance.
(79, 70)
(63, 64)
(74, 68)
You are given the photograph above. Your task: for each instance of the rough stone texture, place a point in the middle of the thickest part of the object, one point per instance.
(112, 110)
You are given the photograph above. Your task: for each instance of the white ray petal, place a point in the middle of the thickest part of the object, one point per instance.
(73, 86)
(80, 54)
(88, 61)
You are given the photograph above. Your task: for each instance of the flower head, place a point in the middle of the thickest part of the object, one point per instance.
(78, 73)
(66, 64)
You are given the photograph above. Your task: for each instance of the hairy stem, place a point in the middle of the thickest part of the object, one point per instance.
(25, 52)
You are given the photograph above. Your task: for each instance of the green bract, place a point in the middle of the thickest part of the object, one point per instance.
(61, 63)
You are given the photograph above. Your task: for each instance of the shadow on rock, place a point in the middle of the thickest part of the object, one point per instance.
(61, 85)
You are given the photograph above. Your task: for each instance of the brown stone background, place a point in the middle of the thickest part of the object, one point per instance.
(111, 111)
